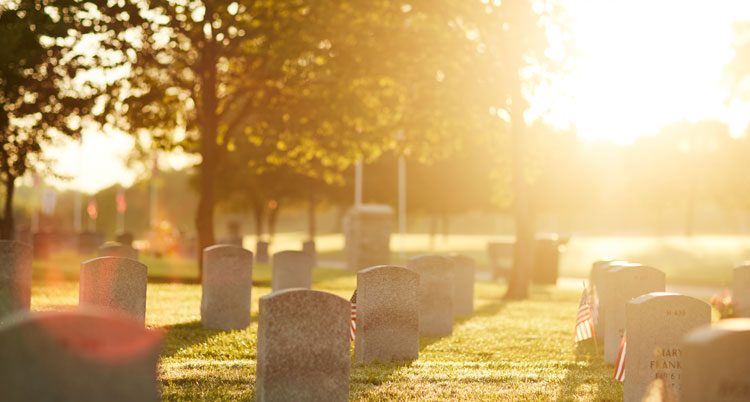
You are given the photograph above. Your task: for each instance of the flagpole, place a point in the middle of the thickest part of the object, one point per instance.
(153, 195)
(358, 183)
(78, 200)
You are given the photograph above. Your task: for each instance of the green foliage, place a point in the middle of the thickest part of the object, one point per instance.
(42, 91)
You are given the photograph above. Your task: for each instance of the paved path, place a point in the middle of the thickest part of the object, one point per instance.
(700, 292)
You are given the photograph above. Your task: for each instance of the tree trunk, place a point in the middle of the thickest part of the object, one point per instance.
(7, 224)
(273, 216)
(209, 150)
(258, 218)
(520, 275)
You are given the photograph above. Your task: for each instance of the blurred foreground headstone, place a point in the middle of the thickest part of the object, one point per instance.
(716, 363)
(78, 356)
(303, 347)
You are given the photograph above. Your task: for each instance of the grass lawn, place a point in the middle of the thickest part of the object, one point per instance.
(512, 351)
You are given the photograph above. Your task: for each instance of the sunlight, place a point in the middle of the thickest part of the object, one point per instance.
(648, 63)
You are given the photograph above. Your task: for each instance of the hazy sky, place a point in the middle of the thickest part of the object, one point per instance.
(645, 63)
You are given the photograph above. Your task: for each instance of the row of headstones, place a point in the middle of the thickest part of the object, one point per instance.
(302, 334)
(668, 337)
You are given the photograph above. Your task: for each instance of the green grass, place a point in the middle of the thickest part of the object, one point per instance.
(507, 351)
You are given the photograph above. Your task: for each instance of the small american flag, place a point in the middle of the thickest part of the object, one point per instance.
(353, 324)
(620, 365)
(584, 320)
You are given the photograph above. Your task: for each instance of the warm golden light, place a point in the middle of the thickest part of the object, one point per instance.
(648, 63)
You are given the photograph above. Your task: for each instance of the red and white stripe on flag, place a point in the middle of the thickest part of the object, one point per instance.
(584, 319)
(584, 324)
(353, 325)
(620, 365)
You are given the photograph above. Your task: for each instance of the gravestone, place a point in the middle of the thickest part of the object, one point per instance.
(291, 269)
(546, 259)
(655, 326)
(387, 314)
(622, 284)
(368, 234)
(716, 363)
(82, 356)
(308, 247)
(303, 347)
(114, 249)
(741, 291)
(15, 277)
(114, 283)
(89, 242)
(125, 238)
(261, 251)
(463, 285)
(596, 278)
(226, 287)
(435, 294)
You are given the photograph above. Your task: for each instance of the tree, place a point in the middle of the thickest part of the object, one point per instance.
(42, 94)
(511, 39)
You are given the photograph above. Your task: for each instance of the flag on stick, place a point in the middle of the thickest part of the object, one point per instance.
(620, 365)
(584, 320)
(353, 324)
(92, 209)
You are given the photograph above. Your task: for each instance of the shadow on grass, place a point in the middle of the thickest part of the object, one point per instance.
(492, 308)
(184, 335)
(589, 369)
(375, 373)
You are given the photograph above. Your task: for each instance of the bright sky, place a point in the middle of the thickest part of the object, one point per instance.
(645, 63)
